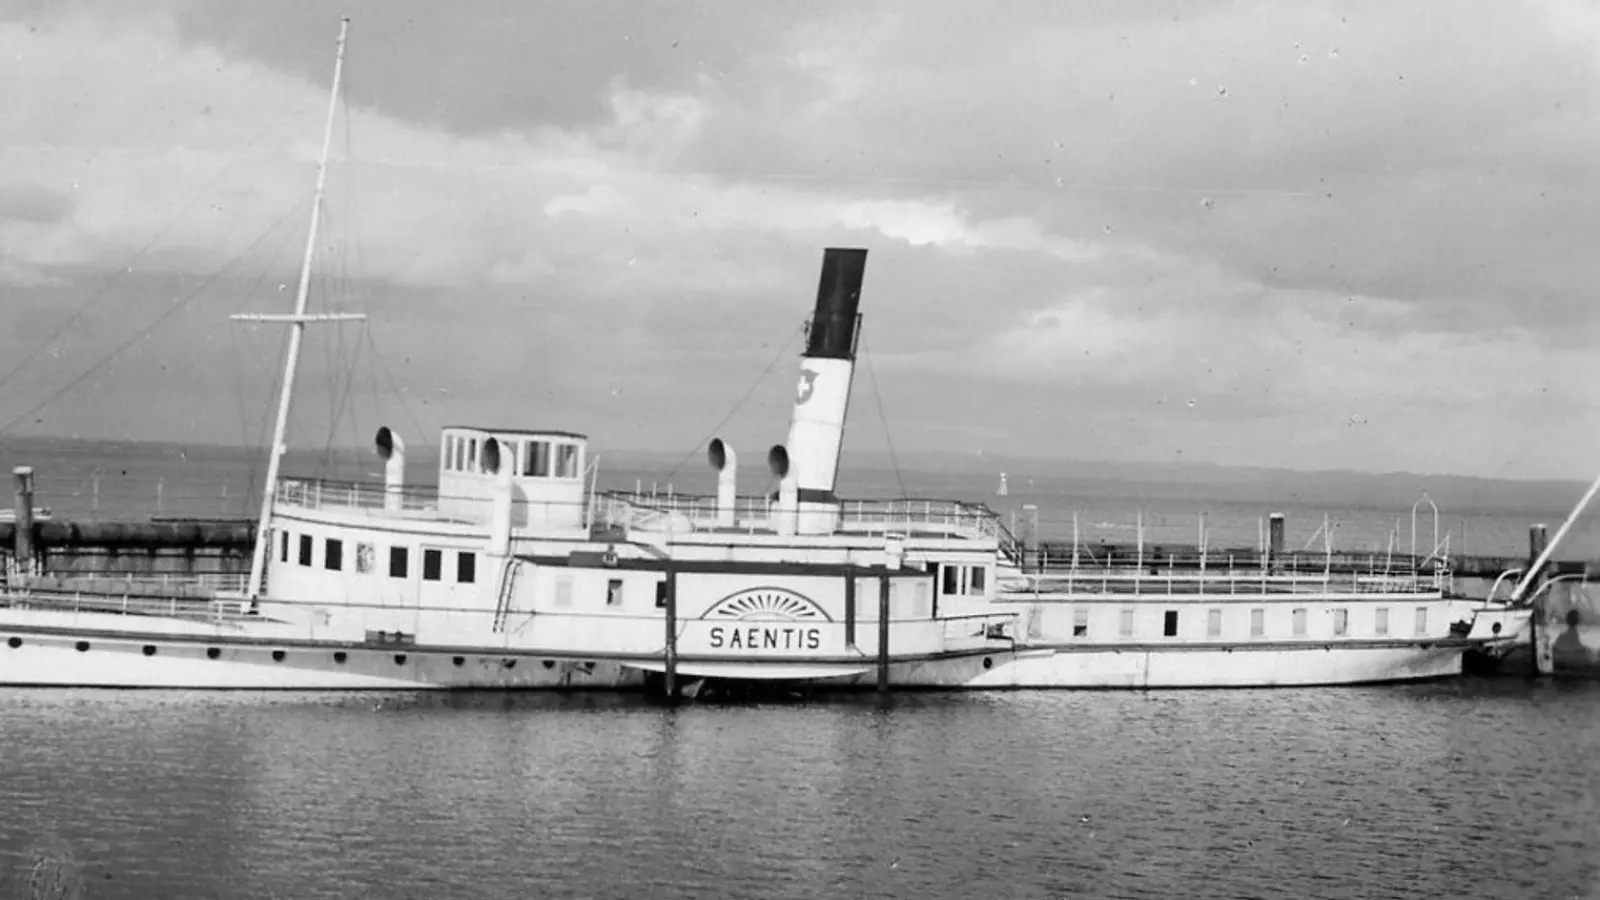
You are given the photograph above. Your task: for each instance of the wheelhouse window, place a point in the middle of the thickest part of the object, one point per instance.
(536, 459)
(432, 563)
(566, 460)
(305, 549)
(333, 554)
(472, 455)
(466, 567)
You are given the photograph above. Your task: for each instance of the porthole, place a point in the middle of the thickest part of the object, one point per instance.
(14, 643)
(339, 657)
(549, 664)
(149, 649)
(399, 659)
(988, 663)
(511, 664)
(277, 656)
(459, 661)
(83, 646)
(213, 652)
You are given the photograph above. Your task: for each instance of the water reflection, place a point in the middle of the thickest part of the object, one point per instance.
(1470, 788)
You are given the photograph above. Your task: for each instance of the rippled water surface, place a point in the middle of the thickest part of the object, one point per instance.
(1458, 789)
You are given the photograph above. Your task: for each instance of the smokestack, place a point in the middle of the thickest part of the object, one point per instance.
(822, 396)
(726, 462)
(392, 451)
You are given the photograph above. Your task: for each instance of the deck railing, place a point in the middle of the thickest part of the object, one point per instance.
(1242, 582)
(54, 599)
(655, 511)
(424, 501)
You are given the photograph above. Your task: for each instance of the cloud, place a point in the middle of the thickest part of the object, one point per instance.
(1331, 227)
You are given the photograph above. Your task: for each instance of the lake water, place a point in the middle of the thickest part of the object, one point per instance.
(1467, 788)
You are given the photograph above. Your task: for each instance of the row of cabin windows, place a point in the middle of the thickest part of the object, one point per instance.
(1258, 622)
(958, 580)
(399, 559)
(539, 459)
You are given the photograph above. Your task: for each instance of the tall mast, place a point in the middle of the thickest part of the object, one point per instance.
(297, 326)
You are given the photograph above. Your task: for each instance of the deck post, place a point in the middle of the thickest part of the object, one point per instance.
(1542, 656)
(849, 612)
(670, 679)
(22, 546)
(883, 634)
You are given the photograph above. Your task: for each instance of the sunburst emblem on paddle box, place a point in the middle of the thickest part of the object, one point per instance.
(766, 605)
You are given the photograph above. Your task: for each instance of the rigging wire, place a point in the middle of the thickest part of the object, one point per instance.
(717, 427)
(171, 310)
(111, 280)
(888, 439)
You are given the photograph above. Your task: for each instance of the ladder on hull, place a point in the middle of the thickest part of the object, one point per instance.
(508, 583)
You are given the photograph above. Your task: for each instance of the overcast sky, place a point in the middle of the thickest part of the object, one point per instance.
(1341, 235)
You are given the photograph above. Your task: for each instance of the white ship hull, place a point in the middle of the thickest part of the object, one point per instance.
(45, 649)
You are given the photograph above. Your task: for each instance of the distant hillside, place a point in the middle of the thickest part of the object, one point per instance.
(943, 474)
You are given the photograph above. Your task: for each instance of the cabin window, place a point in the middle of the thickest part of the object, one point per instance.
(305, 549)
(1341, 622)
(1169, 628)
(1299, 623)
(1258, 623)
(1213, 623)
(460, 453)
(919, 600)
(1380, 620)
(614, 592)
(432, 563)
(397, 562)
(1080, 623)
(472, 455)
(661, 595)
(466, 567)
(950, 579)
(333, 554)
(975, 580)
(567, 461)
(283, 546)
(538, 459)
(564, 592)
(1127, 623)
(1036, 623)
(1422, 620)
(364, 556)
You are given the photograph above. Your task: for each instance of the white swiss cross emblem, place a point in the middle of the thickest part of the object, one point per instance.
(808, 379)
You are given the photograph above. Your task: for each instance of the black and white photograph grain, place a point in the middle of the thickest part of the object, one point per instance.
(678, 449)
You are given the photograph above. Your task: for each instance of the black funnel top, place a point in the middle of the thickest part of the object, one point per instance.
(832, 334)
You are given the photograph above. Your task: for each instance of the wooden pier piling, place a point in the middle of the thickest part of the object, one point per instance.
(1539, 630)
